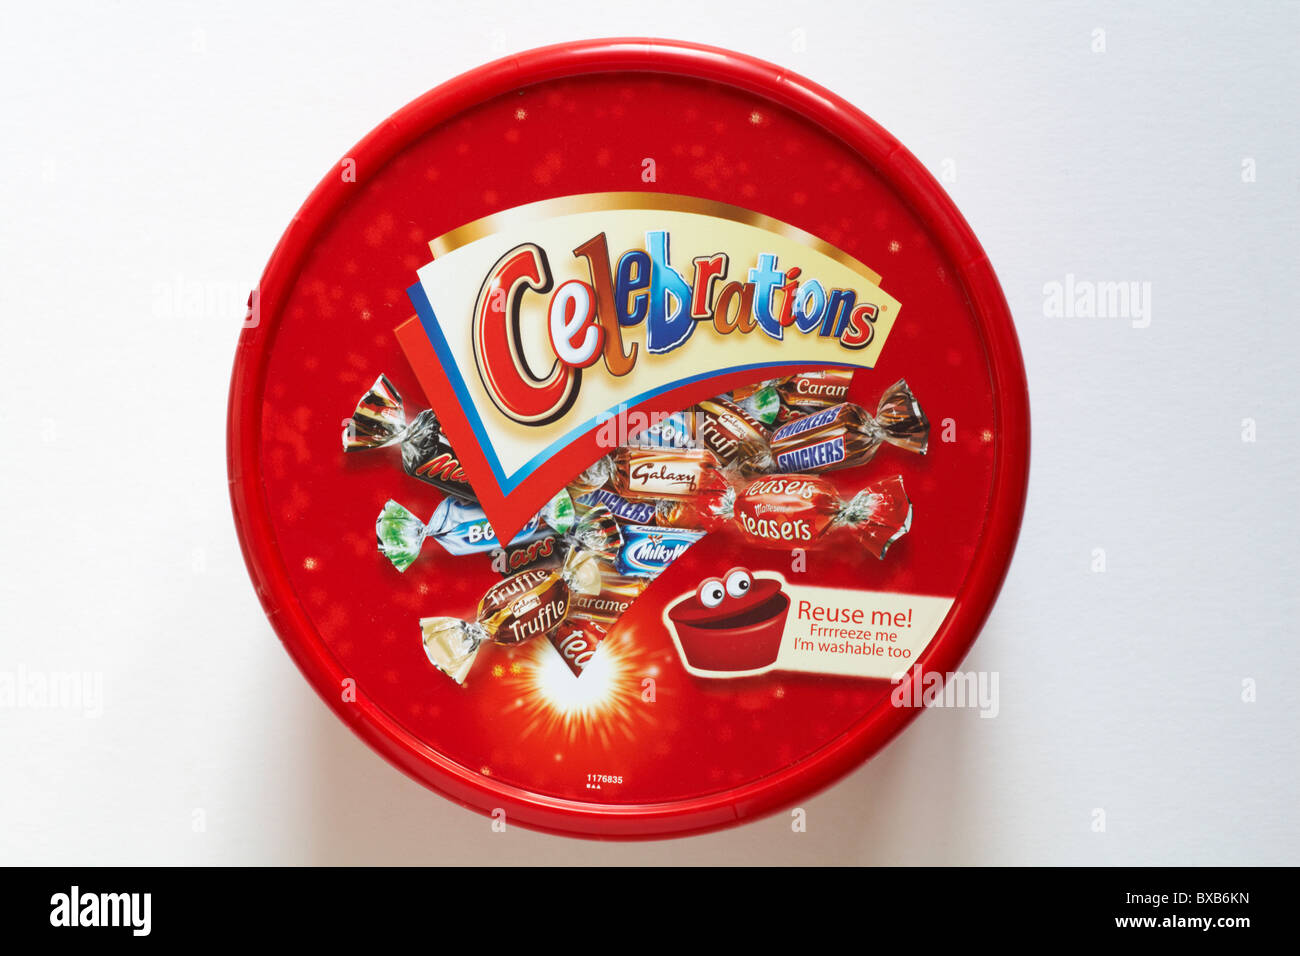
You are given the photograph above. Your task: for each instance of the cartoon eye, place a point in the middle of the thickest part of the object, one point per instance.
(738, 582)
(711, 592)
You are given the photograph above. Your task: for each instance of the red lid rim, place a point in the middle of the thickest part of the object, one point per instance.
(915, 186)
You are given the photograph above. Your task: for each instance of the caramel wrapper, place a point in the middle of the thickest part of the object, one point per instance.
(616, 594)
(812, 391)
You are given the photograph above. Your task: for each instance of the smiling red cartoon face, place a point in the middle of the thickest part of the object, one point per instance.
(732, 623)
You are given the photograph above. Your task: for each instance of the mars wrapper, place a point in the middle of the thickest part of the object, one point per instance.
(800, 511)
(380, 421)
(846, 435)
(529, 604)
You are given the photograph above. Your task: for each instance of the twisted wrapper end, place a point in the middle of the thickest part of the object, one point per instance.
(879, 514)
(400, 535)
(594, 544)
(379, 420)
(597, 475)
(420, 441)
(559, 514)
(725, 507)
(764, 403)
(900, 421)
(451, 645)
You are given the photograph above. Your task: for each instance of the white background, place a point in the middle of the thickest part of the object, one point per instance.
(150, 157)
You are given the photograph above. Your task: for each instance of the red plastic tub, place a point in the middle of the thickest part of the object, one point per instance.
(614, 228)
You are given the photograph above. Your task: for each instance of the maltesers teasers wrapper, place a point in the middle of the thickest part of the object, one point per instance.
(576, 640)
(800, 511)
(845, 435)
(380, 421)
(530, 604)
(461, 528)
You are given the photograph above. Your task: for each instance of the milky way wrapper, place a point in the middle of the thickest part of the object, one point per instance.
(648, 551)
(380, 422)
(846, 435)
(532, 603)
(801, 511)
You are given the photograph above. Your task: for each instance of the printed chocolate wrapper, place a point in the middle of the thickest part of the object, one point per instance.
(812, 391)
(845, 435)
(675, 430)
(461, 528)
(801, 511)
(577, 640)
(380, 421)
(736, 438)
(617, 592)
(595, 476)
(701, 513)
(526, 605)
(647, 551)
(652, 474)
(544, 550)
(631, 512)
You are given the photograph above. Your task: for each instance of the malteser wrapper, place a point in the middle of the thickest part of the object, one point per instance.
(577, 640)
(801, 511)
